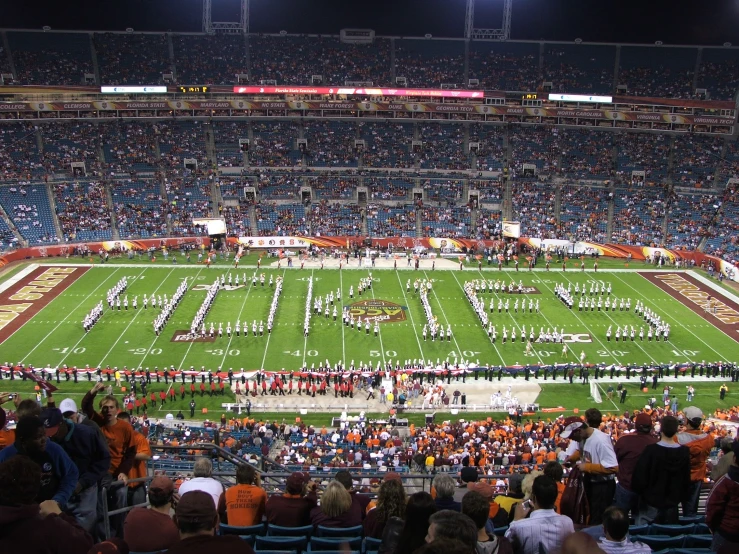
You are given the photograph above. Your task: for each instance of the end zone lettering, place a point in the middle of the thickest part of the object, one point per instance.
(378, 310)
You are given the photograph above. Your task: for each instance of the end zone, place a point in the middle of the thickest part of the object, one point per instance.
(714, 307)
(31, 294)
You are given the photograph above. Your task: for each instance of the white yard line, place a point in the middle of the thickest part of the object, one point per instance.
(100, 363)
(310, 310)
(269, 335)
(156, 338)
(382, 347)
(608, 315)
(502, 359)
(343, 339)
(410, 312)
(65, 317)
(231, 338)
(454, 333)
(524, 339)
(17, 277)
(657, 309)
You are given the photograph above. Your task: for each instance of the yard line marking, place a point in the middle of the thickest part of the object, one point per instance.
(673, 318)
(454, 334)
(138, 312)
(148, 351)
(573, 312)
(343, 340)
(413, 323)
(269, 335)
(382, 348)
(310, 311)
(608, 315)
(231, 338)
(69, 314)
(523, 338)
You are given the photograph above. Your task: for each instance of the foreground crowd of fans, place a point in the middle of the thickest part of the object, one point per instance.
(565, 485)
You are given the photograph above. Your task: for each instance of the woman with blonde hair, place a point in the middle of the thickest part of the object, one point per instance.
(528, 483)
(336, 509)
(391, 501)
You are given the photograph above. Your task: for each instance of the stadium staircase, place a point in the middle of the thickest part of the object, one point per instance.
(611, 211)
(253, 221)
(95, 65)
(52, 202)
(210, 146)
(113, 221)
(165, 198)
(170, 47)
(39, 143)
(216, 199)
(6, 46)
(419, 224)
(12, 227)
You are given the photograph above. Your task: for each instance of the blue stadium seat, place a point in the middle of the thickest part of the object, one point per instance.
(247, 530)
(500, 531)
(371, 544)
(660, 542)
(671, 530)
(638, 530)
(322, 531)
(698, 541)
(335, 543)
(280, 531)
(281, 543)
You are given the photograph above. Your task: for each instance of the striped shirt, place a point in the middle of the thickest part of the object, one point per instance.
(543, 527)
(623, 547)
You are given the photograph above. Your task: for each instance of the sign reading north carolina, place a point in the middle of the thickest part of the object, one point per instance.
(378, 310)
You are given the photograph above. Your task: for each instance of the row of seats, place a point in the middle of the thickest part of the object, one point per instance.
(130, 58)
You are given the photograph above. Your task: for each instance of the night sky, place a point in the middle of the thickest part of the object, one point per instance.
(710, 22)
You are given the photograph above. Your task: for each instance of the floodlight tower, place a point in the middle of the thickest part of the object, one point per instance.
(504, 33)
(232, 27)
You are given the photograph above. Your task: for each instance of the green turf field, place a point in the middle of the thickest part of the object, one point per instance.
(126, 338)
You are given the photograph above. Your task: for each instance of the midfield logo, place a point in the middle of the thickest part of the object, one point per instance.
(185, 336)
(378, 310)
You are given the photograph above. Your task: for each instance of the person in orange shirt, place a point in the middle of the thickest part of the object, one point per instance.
(554, 471)
(137, 491)
(243, 504)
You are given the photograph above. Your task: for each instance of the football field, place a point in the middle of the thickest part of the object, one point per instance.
(42, 308)
(54, 335)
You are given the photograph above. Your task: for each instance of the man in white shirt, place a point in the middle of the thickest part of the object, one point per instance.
(536, 526)
(596, 458)
(203, 481)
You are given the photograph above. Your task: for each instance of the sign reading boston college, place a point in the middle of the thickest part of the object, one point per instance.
(378, 310)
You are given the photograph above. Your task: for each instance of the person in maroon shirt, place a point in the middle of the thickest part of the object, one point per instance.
(222, 386)
(336, 509)
(163, 397)
(197, 520)
(182, 392)
(212, 388)
(293, 508)
(628, 450)
(172, 394)
(141, 520)
(346, 479)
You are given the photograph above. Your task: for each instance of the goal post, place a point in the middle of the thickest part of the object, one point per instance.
(595, 392)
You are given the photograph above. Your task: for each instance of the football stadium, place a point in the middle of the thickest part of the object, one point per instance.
(355, 286)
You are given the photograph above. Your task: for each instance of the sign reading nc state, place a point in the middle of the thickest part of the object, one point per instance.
(378, 310)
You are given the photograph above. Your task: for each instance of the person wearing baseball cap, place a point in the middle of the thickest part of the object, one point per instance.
(293, 508)
(596, 458)
(628, 449)
(700, 445)
(196, 518)
(141, 520)
(89, 454)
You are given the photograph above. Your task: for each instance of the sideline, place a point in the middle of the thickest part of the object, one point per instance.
(713, 286)
(17, 277)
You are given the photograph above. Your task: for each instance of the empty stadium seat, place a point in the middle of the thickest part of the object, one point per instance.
(660, 542)
(670, 530)
(335, 543)
(281, 543)
(280, 531)
(322, 531)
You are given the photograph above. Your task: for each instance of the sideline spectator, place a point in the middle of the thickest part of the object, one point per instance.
(346, 479)
(243, 504)
(628, 449)
(597, 460)
(700, 444)
(662, 477)
(91, 457)
(58, 473)
(336, 509)
(197, 520)
(724, 463)
(722, 508)
(616, 529)
(25, 525)
(477, 508)
(448, 524)
(203, 480)
(391, 502)
(141, 520)
(445, 488)
(399, 536)
(293, 508)
(536, 524)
